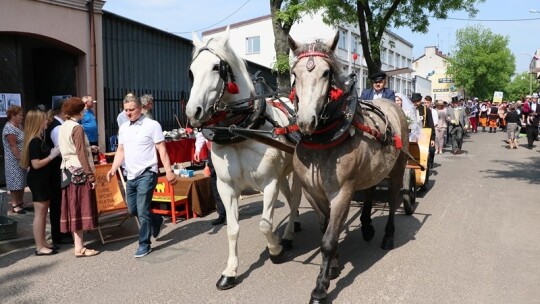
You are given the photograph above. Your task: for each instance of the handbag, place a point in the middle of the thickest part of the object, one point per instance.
(74, 176)
(78, 177)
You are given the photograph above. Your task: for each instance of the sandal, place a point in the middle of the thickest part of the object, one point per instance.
(85, 252)
(18, 209)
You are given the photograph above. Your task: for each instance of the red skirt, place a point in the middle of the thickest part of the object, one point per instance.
(79, 208)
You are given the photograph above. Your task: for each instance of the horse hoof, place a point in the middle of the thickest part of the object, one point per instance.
(278, 259)
(368, 233)
(317, 301)
(225, 282)
(287, 244)
(387, 244)
(297, 227)
(333, 273)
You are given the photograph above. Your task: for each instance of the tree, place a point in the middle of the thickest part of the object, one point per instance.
(373, 17)
(481, 61)
(284, 14)
(519, 86)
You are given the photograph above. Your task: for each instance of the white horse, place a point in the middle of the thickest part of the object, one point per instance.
(220, 97)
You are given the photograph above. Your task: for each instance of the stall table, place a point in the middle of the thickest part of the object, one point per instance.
(198, 189)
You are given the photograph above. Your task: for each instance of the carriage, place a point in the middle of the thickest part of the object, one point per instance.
(416, 175)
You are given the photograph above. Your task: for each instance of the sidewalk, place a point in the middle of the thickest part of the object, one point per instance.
(25, 236)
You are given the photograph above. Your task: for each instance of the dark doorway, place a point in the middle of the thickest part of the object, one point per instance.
(37, 68)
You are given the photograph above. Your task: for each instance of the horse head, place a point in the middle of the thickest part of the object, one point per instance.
(316, 74)
(218, 75)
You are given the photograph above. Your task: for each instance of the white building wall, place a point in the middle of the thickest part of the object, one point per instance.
(311, 28)
(432, 66)
(263, 29)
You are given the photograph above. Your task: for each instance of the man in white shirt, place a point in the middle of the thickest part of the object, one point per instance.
(138, 142)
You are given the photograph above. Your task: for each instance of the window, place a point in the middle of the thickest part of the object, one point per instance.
(342, 42)
(253, 45)
(355, 42)
(384, 56)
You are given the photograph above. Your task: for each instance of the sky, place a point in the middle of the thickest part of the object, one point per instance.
(511, 19)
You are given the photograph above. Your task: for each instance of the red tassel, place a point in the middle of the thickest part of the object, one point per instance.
(232, 88)
(336, 93)
(397, 142)
(292, 96)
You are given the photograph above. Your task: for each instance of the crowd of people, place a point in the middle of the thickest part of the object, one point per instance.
(451, 121)
(54, 156)
(37, 155)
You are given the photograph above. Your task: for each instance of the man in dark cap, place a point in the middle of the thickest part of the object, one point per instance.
(51, 137)
(458, 125)
(378, 90)
(426, 121)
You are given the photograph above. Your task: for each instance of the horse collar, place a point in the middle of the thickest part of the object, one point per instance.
(336, 128)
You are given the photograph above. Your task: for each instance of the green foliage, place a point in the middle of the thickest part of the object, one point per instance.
(373, 17)
(281, 65)
(481, 62)
(520, 86)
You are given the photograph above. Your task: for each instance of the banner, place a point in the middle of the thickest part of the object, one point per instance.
(108, 195)
(497, 97)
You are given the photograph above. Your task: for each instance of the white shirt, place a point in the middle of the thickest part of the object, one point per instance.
(139, 140)
(54, 132)
(434, 115)
(200, 141)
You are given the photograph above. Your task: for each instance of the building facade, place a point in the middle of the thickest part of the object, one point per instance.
(432, 66)
(254, 40)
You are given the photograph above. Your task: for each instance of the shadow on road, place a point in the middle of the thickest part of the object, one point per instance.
(522, 170)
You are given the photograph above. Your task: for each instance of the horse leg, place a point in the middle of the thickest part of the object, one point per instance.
(230, 201)
(368, 231)
(329, 265)
(293, 199)
(270, 194)
(396, 183)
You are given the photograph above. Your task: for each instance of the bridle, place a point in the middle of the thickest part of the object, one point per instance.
(216, 109)
(333, 93)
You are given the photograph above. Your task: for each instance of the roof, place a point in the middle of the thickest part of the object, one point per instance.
(237, 24)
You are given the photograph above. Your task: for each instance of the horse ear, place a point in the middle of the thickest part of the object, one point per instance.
(292, 44)
(227, 34)
(332, 43)
(196, 41)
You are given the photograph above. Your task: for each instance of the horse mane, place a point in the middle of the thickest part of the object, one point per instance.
(320, 46)
(226, 53)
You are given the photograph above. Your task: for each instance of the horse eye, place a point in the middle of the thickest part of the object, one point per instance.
(326, 73)
(215, 68)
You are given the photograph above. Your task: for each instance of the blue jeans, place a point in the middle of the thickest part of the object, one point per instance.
(139, 197)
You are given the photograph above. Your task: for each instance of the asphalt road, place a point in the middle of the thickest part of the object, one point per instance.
(473, 239)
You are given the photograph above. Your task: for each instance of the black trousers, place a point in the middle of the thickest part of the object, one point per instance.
(213, 181)
(532, 134)
(56, 201)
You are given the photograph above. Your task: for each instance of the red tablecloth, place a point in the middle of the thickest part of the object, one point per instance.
(182, 151)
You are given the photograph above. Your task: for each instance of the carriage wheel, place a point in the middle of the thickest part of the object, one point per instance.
(409, 193)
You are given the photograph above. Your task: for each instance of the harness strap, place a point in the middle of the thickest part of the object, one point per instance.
(397, 142)
(286, 130)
